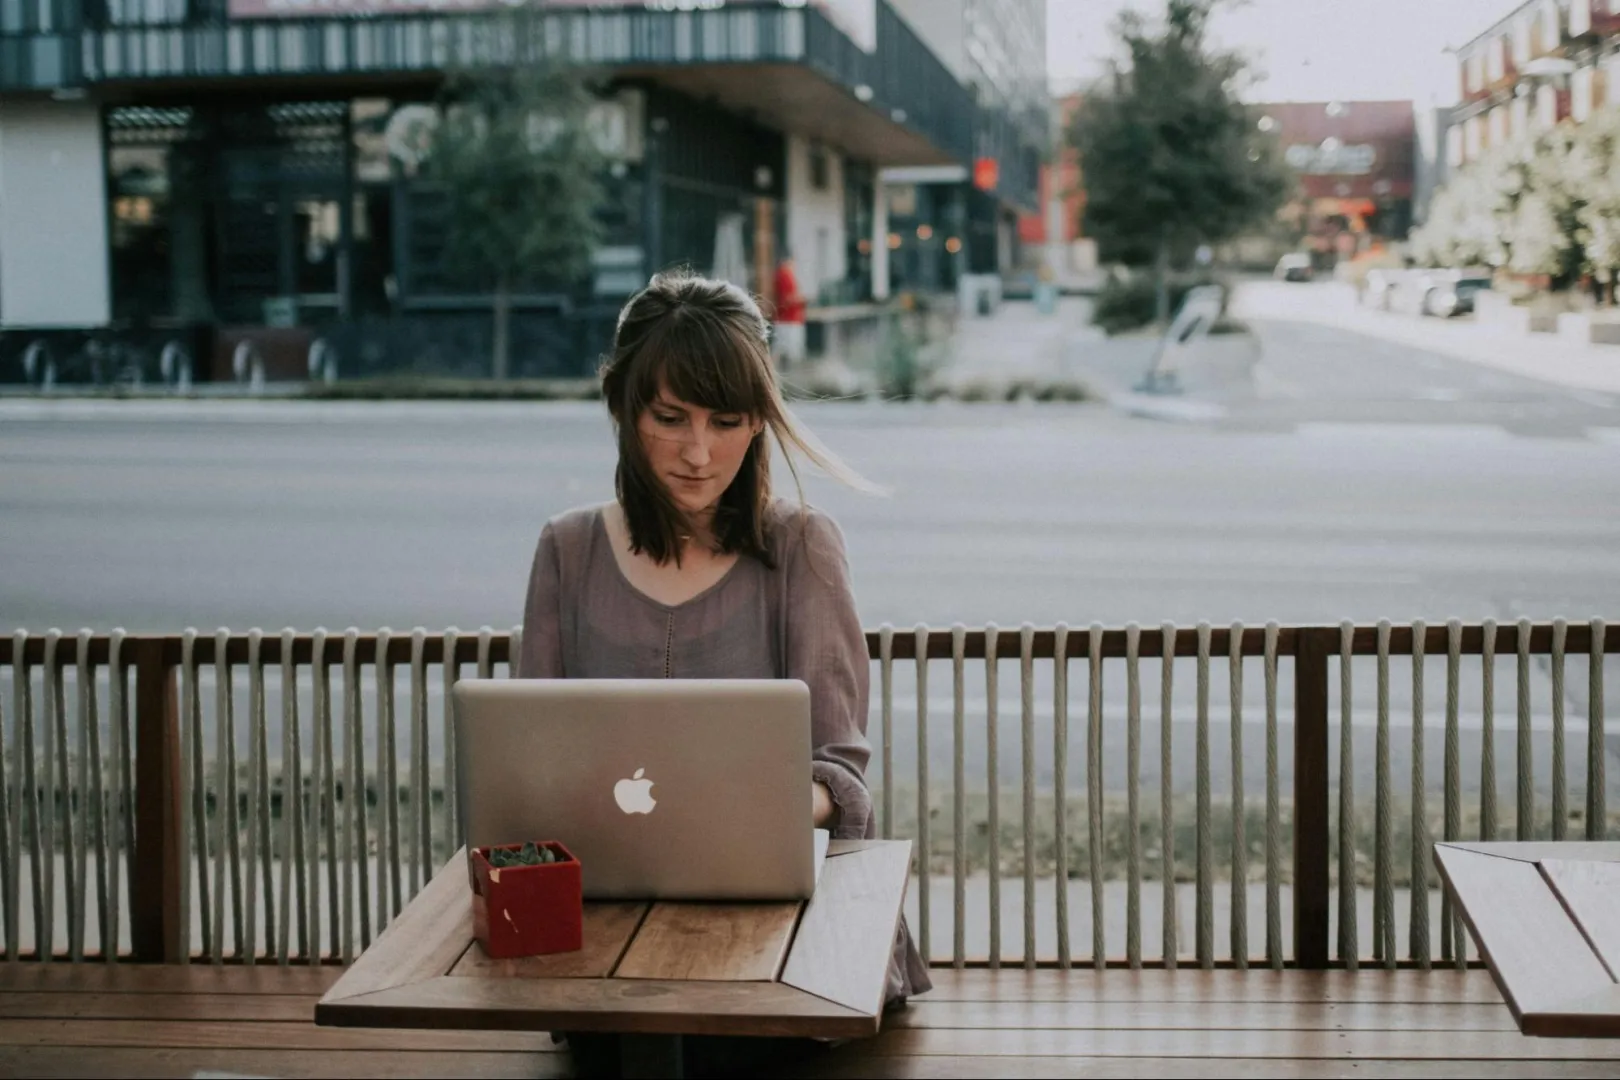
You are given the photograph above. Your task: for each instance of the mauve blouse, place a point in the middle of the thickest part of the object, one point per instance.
(584, 620)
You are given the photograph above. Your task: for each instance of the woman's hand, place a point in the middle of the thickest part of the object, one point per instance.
(823, 810)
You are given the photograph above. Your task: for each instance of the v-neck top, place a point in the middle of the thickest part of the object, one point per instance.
(583, 619)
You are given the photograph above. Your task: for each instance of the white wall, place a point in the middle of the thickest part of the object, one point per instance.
(941, 26)
(815, 218)
(53, 215)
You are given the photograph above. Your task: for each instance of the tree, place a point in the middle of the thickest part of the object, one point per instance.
(1173, 158)
(515, 160)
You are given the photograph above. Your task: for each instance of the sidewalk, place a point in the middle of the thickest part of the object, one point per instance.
(1016, 345)
(1544, 357)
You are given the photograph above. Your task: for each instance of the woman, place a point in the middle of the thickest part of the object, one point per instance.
(695, 571)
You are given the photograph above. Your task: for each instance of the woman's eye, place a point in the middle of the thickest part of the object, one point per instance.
(666, 419)
(728, 422)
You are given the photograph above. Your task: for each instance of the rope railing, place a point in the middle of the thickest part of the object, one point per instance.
(279, 797)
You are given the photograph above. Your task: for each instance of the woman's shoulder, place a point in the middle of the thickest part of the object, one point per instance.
(797, 527)
(572, 529)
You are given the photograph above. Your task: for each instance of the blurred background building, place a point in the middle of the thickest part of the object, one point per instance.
(214, 171)
(1542, 62)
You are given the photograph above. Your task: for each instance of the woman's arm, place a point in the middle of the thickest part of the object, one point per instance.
(541, 653)
(826, 648)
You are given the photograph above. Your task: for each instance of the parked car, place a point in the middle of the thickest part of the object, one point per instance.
(1451, 292)
(1295, 266)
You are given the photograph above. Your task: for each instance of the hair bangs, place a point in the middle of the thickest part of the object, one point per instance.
(699, 360)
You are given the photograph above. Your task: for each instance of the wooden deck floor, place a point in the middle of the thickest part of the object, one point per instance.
(64, 1020)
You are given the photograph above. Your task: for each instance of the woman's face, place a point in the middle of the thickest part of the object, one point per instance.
(694, 452)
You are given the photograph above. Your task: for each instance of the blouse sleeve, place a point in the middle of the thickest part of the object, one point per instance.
(826, 648)
(541, 656)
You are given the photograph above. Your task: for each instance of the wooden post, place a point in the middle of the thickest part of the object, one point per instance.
(154, 888)
(1312, 889)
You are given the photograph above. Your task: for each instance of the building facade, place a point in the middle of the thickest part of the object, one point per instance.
(1543, 62)
(1357, 167)
(178, 177)
(962, 222)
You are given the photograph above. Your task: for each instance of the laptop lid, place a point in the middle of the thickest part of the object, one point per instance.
(664, 788)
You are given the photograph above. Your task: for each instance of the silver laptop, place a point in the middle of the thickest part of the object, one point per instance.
(664, 788)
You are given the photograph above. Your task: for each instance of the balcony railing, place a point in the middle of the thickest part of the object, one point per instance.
(280, 797)
(908, 83)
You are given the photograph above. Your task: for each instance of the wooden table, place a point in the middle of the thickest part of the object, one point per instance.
(1546, 918)
(649, 972)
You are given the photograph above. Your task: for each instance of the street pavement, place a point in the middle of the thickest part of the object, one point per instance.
(1339, 476)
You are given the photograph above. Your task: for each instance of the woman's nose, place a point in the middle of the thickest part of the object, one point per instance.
(696, 449)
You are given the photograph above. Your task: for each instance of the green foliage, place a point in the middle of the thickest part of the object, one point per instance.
(1171, 154)
(1130, 303)
(514, 157)
(528, 855)
(515, 160)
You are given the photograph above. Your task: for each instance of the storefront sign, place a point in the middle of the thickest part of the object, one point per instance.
(1332, 158)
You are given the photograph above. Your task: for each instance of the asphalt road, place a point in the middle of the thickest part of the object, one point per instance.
(1342, 478)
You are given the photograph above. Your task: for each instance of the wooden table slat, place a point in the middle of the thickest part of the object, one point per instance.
(709, 942)
(1591, 893)
(609, 927)
(1589, 1017)
(1538, 956)
(642, 1006)
(846, 935)
(423, 942)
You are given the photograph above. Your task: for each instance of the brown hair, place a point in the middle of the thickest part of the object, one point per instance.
(708, 344)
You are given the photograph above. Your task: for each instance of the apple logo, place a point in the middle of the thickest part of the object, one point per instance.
(634, 795)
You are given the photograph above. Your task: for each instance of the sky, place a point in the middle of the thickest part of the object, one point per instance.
(1307, 50)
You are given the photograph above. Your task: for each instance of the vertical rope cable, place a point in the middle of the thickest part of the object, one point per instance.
(388, 869)
(1524, 825)
(87, 802)
(56, 784)
(1453, 944)
(1274, 938)
(886, 719)
(1349, 949)
(1094, 791)
(1419, 946)
(1204, 900)
(1167, 816)
(292, 829)
(1597, 813)
(1240, 847)
(1560, 781)
(992, 764)
(323, 818)
(1383, 855)
(958, 796)
(1487, 750)
(1133, 808)
(257, 796)
(421, 791)
(25, 812)
(191, 796)
(454, 835)
(1060, 786)
(1026, 746)
(354, 803)
(924, 841)
(224, 767)
(119, 814)
(10, 868)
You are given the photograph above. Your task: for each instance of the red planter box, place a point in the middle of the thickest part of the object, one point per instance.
(527, 910)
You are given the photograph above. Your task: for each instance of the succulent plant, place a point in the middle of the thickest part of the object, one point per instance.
(528, 855)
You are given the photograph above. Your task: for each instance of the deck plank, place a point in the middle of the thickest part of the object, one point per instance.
(1209, 1015)
(1303, 1045)
(1192, 986)
(168, 1062)
(851, 1063)
(295, 980)
(265, 1035)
